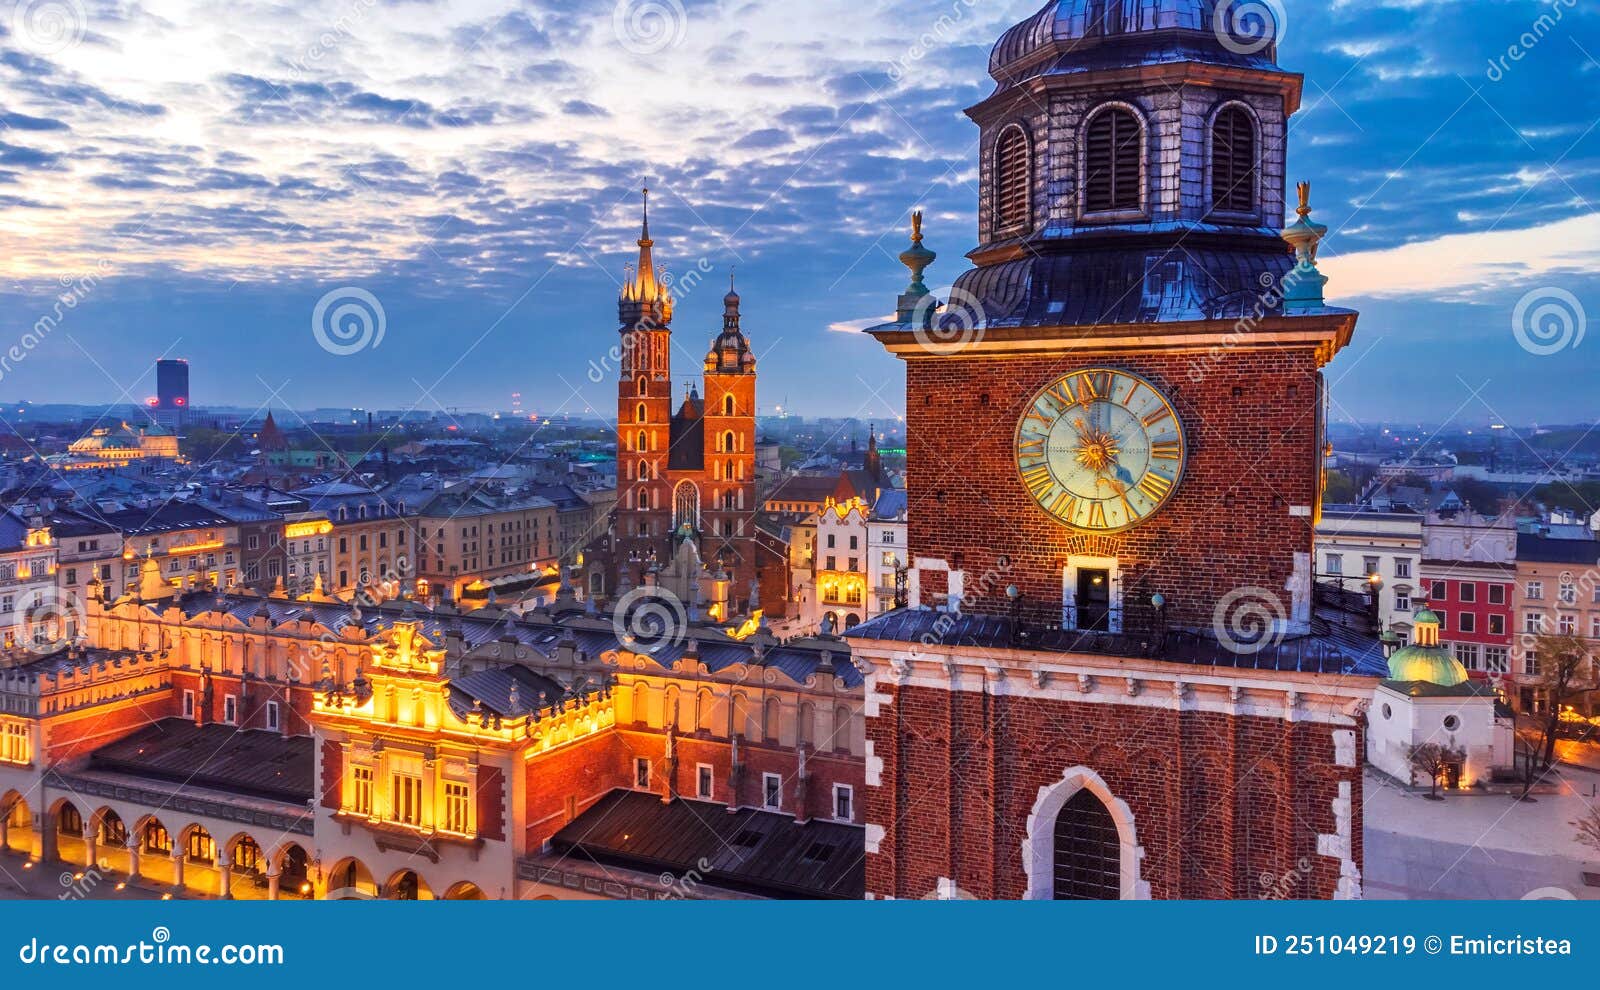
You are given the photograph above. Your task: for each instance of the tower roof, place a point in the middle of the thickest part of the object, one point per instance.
(1085, 33)
(645, 296)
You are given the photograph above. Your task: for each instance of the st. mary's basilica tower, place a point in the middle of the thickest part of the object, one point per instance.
(685, 466)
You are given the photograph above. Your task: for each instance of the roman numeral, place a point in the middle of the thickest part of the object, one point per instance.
(1097, 515)
(1157, 416)
(1133, 390)
(1065, 507)
(1039, 481)
(1167, 450)
(1031, 445)
(1089, 389)
(1156, 486)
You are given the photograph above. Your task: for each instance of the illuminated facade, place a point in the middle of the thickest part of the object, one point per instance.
(119, 448)
(685, 470)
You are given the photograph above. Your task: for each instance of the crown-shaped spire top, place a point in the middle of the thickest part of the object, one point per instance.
(645, 298)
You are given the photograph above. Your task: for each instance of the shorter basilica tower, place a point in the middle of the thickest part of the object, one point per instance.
(684, 474)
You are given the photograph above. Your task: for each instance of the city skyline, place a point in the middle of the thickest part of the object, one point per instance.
(202, 207)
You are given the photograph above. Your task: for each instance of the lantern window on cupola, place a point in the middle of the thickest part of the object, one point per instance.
(1233, 161)
(1012, 178)
(1113, 162)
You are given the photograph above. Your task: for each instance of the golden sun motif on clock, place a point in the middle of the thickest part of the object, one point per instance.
(1101, 450)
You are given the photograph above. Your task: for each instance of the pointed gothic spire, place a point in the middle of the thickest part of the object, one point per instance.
(645, 297)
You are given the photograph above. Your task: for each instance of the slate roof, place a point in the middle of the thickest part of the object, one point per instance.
(1545, 550)
(1334, 647)
(758, 852)
(543, 632)
(492, 690)
(166, 518)
(218, 757)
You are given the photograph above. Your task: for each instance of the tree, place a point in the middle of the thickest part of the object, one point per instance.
(1481, 497)
(1434, 759)
(1589, 828)
(1341, 489)
(1566, 671)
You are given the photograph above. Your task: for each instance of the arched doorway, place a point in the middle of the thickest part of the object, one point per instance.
(407, 885)
(16, 824)
(350, 880)
(1088, 855)
(465, 891)
(111, 841)
(1081, 844)
(246, 872)
(294, 874)
(70, 847)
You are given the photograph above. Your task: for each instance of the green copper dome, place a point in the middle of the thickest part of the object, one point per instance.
(1426, 659)
(1428, 664)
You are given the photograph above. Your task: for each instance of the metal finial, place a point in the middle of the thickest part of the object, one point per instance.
(916, 227)
(1304, 188)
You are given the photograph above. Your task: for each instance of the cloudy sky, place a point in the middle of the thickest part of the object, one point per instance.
(196, 176)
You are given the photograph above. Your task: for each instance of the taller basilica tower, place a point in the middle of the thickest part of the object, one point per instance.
(685, 467)
(1110, 682)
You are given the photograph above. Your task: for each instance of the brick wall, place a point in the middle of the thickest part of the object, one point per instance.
(1254, 454)
(1224, 806)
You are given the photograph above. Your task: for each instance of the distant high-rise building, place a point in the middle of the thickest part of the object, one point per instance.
(172, 393)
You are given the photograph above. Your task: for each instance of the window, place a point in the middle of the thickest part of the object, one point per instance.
(188, 704)
(252, 542)
(1497, 625)
(1402, 567)
(844, 799)
(1112, 166)
(1444, 620)
(457, 808)
(1371, 566)
(272, 716)
(1011, 179)
(1535, 591)
(1569, 625)
(407, 799)
(361, 791)
(704, 781)
(1497, 594)
(230, 710)
(1496, 660)
(1402, 601)
(1594, 627)
(641, 773)
(1088, 852)
(1451, 723)
(727, 405)
(1468, 591)
(14, 746)
(1569, 591)
(1467, 622)
(1530, 664)
(1233, 161)
(771, 791)
(1468, 655)
(1533, 623)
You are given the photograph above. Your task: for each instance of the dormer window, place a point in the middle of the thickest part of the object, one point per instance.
(1011, 179)
(1233, 161)
(1113, 162)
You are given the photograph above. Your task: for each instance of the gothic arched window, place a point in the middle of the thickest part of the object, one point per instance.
(728, 442)
(639, 414)
(686, 506)
(727, 405)
(644, 441)
(1233, 161)
(1113, 162)
(641, 386)
(1088, 851)
(1011, 179)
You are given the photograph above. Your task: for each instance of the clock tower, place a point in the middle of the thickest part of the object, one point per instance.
(1115, 443)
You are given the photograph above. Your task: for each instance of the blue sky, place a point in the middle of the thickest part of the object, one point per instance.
(200, 174)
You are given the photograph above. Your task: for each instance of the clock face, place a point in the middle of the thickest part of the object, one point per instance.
(1101, 450)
